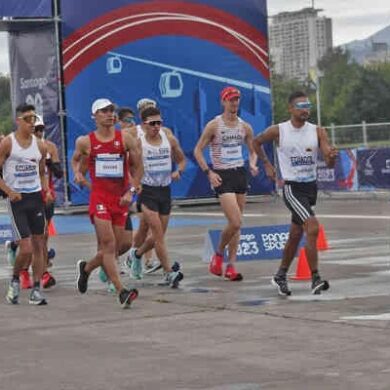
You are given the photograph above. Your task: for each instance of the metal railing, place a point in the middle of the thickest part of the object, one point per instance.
(360, 135)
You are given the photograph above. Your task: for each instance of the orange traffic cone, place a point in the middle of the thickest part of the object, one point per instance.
(302, 271)
(51, 229)
(322, 242)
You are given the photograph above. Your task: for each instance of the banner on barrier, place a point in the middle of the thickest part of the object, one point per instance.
(256, 243)
(26, 8)
(6, 233)
(374, 168)
(127, 50)
(343, 177)
(34, 81)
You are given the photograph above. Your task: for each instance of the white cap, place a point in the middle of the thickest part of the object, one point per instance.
(142, 103)
(39, 121)
(101, 103)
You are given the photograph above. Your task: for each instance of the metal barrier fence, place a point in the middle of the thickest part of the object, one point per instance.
(362, 134)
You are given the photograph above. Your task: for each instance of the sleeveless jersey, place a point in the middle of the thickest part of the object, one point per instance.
(21, 168)
(226, 145)
(107, 164)
(157, 162)
(298, 152)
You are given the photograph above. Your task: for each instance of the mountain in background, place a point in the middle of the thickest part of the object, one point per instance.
(375, 46)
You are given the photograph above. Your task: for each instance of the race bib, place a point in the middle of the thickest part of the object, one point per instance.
(158, 164)
(231, 152)
(109, 165)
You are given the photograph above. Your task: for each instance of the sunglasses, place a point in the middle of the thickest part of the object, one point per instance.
(39, 129)
(303, 105)
(129, 120)
(154, 123)
(29, 118)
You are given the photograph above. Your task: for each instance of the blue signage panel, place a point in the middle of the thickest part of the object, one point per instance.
(5, 233)
(26, 8)
(374, 168)
(179, 53)
(256, 243)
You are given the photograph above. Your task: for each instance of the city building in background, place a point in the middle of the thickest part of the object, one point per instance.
(298, 40)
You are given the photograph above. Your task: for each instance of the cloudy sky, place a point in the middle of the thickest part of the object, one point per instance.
(352, 19)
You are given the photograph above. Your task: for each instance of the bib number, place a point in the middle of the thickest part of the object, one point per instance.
(109, 165)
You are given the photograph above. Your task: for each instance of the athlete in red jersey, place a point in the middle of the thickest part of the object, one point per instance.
(106, 150)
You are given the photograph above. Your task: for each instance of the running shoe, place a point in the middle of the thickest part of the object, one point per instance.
(36, 298)
(25, 280)
(48, 280)
(152, 267)
(231, 274)
(215, 266)
(280, 283)
(175, 277)
(135, 264)
(319, 285)
(13, 291)
(82, 277)
(110, 287)
(126, 297)
(102, 275)
(10, 253)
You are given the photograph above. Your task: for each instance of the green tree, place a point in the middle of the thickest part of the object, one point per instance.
(6, 123)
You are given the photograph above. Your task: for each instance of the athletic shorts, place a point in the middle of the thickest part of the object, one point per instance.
(105, 206)
(234, 181)
(299, 198)
(129, 223)
(156, 199)
(27, 215)
(49, 211)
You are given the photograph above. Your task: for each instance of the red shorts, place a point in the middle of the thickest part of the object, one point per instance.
(107, 207)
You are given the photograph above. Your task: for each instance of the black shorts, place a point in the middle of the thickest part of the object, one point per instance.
(49, 211)
(234, 181)
(129, 223)
(156, 199)
(27, 215)
(299, 198)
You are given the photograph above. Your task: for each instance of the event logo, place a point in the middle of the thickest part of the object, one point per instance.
(272, 241)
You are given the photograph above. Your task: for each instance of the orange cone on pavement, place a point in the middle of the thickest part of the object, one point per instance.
(303, 271)
(322, 242)
(51, 229)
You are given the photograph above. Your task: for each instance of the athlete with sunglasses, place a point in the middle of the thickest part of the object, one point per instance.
(298, 144)
(158, 150)
(22, 157)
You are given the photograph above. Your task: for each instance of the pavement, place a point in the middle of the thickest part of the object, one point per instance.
(210, 333)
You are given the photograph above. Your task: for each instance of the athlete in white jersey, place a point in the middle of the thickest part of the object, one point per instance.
(298, 143)
(226, 135)
(158, 151)
(22, 157)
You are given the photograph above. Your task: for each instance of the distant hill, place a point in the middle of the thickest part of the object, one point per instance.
(364, 48)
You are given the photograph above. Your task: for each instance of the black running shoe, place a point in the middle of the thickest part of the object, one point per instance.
(82, 277)
(319, 285)
(281, 284)
(127, 296)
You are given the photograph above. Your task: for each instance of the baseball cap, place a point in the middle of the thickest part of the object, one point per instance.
(101, 103)
(142, 103)
(39, 121)
(229, 93)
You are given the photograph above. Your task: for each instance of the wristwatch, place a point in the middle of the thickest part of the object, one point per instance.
(206, 171)
(132, 190)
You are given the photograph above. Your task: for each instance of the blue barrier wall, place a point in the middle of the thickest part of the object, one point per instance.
(178, 53)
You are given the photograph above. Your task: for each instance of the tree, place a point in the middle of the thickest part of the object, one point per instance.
(6, 123)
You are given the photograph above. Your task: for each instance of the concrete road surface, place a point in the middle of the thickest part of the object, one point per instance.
(213, 334)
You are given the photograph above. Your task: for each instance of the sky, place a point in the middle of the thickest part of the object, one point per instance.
(352, 19)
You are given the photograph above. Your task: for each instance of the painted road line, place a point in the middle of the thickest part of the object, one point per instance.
(369, 317)
(258, 215)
